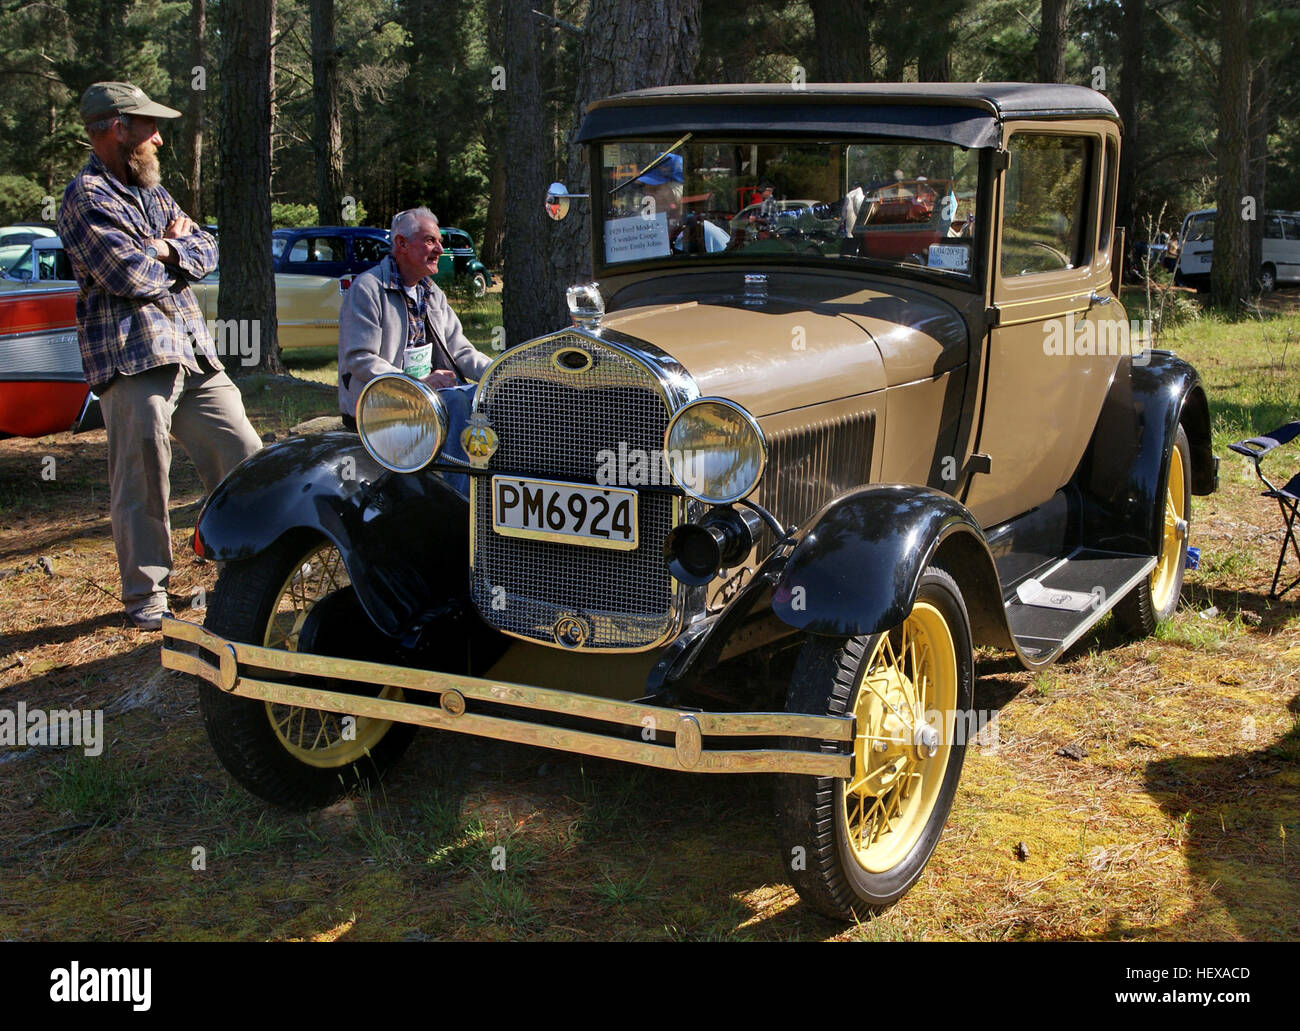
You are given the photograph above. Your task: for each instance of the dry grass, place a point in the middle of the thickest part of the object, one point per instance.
(1179, 822)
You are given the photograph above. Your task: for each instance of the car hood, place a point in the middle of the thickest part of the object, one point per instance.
(809, 341)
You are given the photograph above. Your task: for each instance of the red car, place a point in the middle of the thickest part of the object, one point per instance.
(43, 389)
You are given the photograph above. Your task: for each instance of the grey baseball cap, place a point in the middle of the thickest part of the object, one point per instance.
(120, 98)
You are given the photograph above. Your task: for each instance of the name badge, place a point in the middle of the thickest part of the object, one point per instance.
(417, 362)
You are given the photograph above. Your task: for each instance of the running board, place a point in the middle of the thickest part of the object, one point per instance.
(1043, 631)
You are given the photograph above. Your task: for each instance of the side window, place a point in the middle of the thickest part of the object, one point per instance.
(457, 241)
(299, 250)
(1045, 205)
(366, 250)
(1273, 228)
(327, 248)
(277, 246)
(1292, 226)
(1110, 186)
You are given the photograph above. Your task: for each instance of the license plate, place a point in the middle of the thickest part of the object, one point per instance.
(548, 510)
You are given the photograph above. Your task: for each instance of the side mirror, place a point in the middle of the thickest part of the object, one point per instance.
(558, 199)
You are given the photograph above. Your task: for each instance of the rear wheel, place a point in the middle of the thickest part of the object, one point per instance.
(1155, 599)
(854, 846)
(296, 595)
(1268, 279)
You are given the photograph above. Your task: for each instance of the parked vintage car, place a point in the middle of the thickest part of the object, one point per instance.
(753, 511)
(14, 240)
(306, 307)
(341, 252)
(459, 262)
(42, 387)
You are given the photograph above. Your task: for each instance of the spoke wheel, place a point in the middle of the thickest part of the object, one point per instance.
(296, 757)
(1155, 599)
(911, 675)
(314, 736)
(854, 846)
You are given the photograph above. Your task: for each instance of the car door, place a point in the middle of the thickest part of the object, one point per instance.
(1052, 312)
(1288, 248)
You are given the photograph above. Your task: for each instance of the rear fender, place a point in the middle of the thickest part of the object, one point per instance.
(404, 537)
(1123, 472)
(855, 569)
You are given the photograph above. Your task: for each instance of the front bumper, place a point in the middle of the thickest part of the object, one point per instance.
(648, 735)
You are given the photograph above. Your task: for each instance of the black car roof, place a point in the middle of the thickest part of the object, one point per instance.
(967, 114)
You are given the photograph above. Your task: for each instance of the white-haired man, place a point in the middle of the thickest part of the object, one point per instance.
(395, 319)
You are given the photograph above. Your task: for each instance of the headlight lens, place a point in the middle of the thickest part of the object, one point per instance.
(402, 422)
(716, 451)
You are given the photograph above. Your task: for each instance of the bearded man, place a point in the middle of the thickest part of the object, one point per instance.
(145, 348)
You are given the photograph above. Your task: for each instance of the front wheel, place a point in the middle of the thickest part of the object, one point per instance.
(1155, 599)
(296, 595)
(854, 846)
(479, 284)
(1267, 279)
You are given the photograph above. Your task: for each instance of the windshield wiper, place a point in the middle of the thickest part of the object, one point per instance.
(653, 164)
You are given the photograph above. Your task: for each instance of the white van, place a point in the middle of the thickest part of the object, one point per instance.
(1281, 262)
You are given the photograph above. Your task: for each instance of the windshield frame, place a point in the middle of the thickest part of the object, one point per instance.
(861, 266)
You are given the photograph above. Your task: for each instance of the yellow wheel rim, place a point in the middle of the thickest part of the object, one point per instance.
(1164, 578)
(905, 709)
(313, 736)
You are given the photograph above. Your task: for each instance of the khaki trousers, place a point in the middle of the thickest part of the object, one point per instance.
(142, 413)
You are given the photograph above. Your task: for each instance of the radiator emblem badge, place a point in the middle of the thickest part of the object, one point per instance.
(479, 440)
(570, 632)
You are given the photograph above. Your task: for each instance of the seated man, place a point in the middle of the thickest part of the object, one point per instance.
(395, 319)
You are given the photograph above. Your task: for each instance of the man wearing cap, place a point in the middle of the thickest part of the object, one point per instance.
(144, 345)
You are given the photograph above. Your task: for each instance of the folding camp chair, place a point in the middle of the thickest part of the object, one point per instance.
(1288, 497)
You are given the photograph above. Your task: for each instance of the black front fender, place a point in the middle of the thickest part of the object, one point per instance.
(856, 567)
(403, 538)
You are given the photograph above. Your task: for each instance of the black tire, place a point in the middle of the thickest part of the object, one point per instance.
(1267, 279)
(254, 602)
(478, 285)
(1155, 599)
(832, 871)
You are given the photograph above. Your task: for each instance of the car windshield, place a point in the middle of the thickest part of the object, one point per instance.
(866, 203)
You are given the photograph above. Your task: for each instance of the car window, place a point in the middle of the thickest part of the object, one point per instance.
(1200, 229)
(1292, 227)
(1046, 189)
(367, 250)
(456, 241)
(278, 244)
(1273, 228)
(318, 248)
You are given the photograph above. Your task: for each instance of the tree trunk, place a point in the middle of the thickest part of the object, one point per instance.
(1130, 93)
(1256, 184)
(528, 245)
(842, 36)
(627, 45)
(246, 298)
(327, 138)
(194, 113)
(1051, 40)
(495, 231)
(1230, 273)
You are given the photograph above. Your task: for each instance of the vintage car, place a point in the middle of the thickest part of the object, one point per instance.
(42, 387)
(306, 307)
(753, 511)
(459, 262)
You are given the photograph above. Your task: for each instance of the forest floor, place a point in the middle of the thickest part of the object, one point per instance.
(1174, 812)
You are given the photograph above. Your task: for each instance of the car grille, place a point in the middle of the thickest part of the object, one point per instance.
(553, 424)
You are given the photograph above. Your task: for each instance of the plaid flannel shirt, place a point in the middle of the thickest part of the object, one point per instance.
(133, 312)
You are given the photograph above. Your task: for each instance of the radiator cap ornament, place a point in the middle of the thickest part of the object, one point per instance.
(479, 441)
(586, 306)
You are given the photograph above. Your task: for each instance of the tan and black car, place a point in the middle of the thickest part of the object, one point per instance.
(755, 508)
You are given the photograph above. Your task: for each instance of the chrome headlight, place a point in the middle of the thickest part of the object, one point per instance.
(402, 422)
(715, 450)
